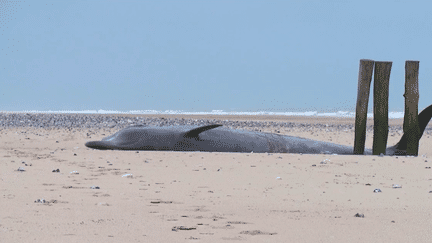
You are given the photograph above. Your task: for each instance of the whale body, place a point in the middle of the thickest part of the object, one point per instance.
(216, 138)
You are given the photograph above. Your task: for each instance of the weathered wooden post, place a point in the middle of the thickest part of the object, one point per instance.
(363, 89)
(381, 94)
(411, 123)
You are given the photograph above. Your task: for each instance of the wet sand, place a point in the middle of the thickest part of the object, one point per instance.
(153, 196)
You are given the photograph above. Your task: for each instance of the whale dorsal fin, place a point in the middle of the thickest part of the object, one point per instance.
(195, 132)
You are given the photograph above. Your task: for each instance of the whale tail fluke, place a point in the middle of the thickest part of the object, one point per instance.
(423, 118)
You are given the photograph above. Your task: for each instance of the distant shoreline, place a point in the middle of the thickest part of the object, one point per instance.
(70, 120)
(255, 115)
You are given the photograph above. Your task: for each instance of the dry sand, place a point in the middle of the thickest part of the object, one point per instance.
(209, 197)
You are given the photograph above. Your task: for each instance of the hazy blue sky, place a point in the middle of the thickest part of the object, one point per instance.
(205, 55)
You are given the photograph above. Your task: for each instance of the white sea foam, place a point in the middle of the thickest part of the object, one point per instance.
(392, 115)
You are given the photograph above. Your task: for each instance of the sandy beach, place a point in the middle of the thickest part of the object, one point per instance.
(70, 193)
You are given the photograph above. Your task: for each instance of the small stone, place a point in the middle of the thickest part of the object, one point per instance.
(176, 228)
(324, 161)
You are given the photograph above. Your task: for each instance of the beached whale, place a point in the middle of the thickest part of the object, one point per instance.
(215, 138)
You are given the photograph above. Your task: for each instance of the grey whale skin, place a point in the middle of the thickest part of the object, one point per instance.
(215, 138)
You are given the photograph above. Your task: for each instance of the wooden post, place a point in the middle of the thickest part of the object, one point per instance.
(381, 92)
(363, 89)
(411, 123)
